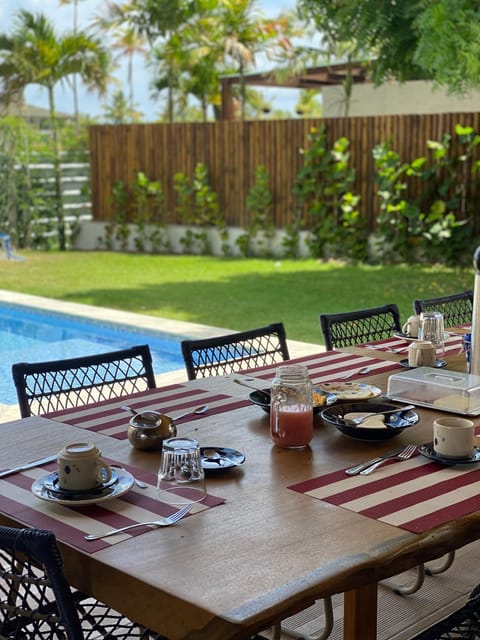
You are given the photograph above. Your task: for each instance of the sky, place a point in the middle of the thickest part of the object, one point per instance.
(62, 17)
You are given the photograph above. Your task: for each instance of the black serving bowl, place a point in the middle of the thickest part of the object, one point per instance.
(262, 399)
(395, 423)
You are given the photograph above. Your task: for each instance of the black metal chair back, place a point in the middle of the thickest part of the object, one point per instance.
(462, 624)
(457, 308)
(45, 387)
(37, 602)
(235, 352)
(356, 327)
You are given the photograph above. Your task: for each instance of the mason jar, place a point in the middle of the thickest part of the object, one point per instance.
(291, 407)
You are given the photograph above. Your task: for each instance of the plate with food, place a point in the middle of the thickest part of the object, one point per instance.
(351, 390)
(379, 421)
(320, 399)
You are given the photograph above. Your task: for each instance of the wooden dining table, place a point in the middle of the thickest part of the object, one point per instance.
(281, 530)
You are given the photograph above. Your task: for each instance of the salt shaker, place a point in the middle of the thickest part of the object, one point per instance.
(291, 407)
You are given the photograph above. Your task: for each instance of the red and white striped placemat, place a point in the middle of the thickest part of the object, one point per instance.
(108, 418)
(415, 494)
(396, 344)
(70, 524)
(332, 365)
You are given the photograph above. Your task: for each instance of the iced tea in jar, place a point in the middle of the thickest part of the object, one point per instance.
(291, 407)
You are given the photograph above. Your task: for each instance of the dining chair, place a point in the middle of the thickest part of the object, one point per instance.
(457, 308)
(235, 352)
(45, 387)
(462, 624)
(37, 602)
(349, 328)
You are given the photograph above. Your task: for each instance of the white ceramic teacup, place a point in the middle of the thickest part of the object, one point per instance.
(80, 467)
(412, 326)
(421, 353)
(453, 437)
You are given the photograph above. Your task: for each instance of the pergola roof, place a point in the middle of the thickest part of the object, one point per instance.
(310, 78)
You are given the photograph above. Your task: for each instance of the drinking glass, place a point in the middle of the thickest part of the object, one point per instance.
(291, 407)
(181, 478)
(432, 329)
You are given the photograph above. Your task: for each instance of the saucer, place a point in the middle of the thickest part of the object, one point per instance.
(429, 452)
(47, 488)
(219, 458)
(438, 364)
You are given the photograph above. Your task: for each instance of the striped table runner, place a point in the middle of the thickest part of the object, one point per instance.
(415, 494)
(332, 365)
(109, 419)
(71, 523)
(453, 345)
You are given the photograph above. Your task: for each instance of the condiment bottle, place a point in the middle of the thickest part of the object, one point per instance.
(291, 407)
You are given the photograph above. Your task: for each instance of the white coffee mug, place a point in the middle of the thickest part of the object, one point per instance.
(453, 437)
(421, 353)
(80, 467)
(411, 327)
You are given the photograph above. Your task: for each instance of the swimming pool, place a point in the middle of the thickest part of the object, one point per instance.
(28, 334)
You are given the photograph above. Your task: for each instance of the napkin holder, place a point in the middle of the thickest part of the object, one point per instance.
(452, 391)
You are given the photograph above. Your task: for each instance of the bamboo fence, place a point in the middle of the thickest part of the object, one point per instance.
(232, 150)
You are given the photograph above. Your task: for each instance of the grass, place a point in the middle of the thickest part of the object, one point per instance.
(231, 293)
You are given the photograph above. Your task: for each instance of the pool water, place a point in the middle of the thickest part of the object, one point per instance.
(31, 335)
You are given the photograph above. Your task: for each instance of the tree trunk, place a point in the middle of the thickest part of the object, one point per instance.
(57, 172)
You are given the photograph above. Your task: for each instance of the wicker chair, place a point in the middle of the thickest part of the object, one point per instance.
(356, 327)
(37, 602)
(462, 624)
(45, 387)
(235, 352)
(457, 308)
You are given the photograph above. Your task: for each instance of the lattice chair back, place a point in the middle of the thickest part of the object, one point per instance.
(37, 603)
(46, 387)
(235, 352)
(35, 598)
(357, 327)
(457, 308)
(462, 624)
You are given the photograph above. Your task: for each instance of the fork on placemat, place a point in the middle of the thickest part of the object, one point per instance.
(404, 454)
(164, 522)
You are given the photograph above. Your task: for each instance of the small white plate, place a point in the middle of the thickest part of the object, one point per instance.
(78, 499)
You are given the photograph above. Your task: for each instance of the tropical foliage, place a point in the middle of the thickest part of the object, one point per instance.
(35, 54)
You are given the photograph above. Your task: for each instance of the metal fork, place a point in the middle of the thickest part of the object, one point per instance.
(404, 454)
(164, 522)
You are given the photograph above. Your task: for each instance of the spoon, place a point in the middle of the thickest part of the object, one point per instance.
(139, 483)
(148, 417)
(360, 419)
(195, 412)
(360, 372)
(263, 394)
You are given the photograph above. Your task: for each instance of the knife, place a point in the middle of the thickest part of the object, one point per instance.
(354, 470)
(28, 465)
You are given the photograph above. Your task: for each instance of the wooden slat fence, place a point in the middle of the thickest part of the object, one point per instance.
(232, 150)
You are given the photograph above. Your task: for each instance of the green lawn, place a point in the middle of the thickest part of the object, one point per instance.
(231, 293)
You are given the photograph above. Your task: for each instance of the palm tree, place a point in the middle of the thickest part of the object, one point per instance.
(74, 77)
(129, 42)
(35, 54)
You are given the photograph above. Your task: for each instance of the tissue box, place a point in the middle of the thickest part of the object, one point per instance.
(452, 391)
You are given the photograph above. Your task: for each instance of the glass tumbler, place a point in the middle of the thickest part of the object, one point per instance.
(181, 478)
(291, 407)
(432, 329)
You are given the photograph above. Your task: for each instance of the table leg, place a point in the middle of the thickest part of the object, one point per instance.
(360, 613)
